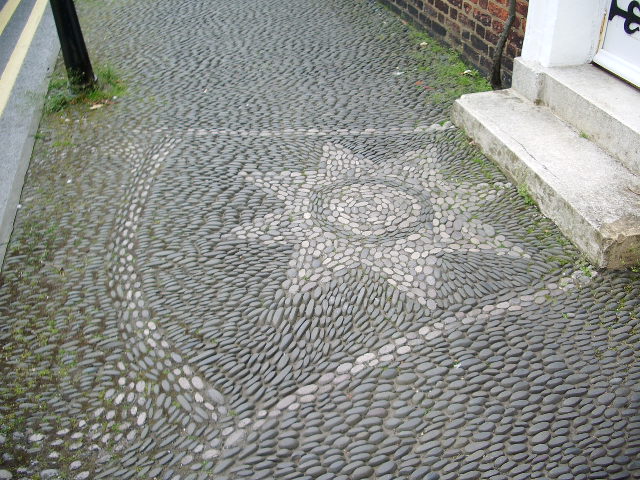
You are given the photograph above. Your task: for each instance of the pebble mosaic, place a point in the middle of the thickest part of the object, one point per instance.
(276, 258)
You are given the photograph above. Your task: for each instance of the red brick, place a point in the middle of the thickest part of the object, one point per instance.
(498, 11)
(438, 29)
(516, 40)
(425, 20)
(483, 3)
(507, 63)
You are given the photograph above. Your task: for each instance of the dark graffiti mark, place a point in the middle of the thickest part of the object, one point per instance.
(631, 15)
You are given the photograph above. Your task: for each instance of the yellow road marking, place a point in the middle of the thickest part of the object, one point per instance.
(6, 12)
(16, 60)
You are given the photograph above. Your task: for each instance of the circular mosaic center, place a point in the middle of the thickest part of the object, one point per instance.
(371, 208)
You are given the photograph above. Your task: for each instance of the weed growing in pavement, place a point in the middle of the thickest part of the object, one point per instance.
(585, 267)
(109, 86)
(450, 75)
(523, 191)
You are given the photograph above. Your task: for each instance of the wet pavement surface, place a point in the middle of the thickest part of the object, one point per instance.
(275, 258)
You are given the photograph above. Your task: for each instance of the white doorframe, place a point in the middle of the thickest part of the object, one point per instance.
(620, 47)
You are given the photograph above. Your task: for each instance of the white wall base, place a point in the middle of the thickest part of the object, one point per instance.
(563, 32)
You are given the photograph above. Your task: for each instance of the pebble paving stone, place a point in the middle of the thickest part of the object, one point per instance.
(275, 258)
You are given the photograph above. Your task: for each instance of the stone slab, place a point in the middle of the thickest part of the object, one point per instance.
(594, 200)
(596, 102)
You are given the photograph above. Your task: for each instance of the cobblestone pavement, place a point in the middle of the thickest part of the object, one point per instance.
(275, 258)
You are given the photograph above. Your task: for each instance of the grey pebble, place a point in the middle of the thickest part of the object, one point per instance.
(49, 473)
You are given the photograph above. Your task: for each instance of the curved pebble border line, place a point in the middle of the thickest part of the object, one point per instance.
(152, 366)
(144, 336)
(130, 402)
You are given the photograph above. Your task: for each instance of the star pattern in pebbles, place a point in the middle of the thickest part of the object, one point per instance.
(398, 218)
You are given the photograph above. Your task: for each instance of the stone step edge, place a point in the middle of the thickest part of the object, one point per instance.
(594, 200)
(594, 101)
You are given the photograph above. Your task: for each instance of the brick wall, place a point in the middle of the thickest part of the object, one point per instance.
(472, 27)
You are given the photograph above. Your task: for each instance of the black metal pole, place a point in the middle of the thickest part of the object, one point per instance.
(74, 50)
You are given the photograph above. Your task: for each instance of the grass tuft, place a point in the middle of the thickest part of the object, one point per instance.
(108, 86)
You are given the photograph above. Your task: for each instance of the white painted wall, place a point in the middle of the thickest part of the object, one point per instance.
(563, 32)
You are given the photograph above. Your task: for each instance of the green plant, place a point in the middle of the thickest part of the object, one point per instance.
(62, 143)
(585, 267)
(523, 191)
(60, 96)
(562, 261)
(57, 101)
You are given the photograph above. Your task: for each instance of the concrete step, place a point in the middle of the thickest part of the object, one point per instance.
(595, 102)
(594, 200)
